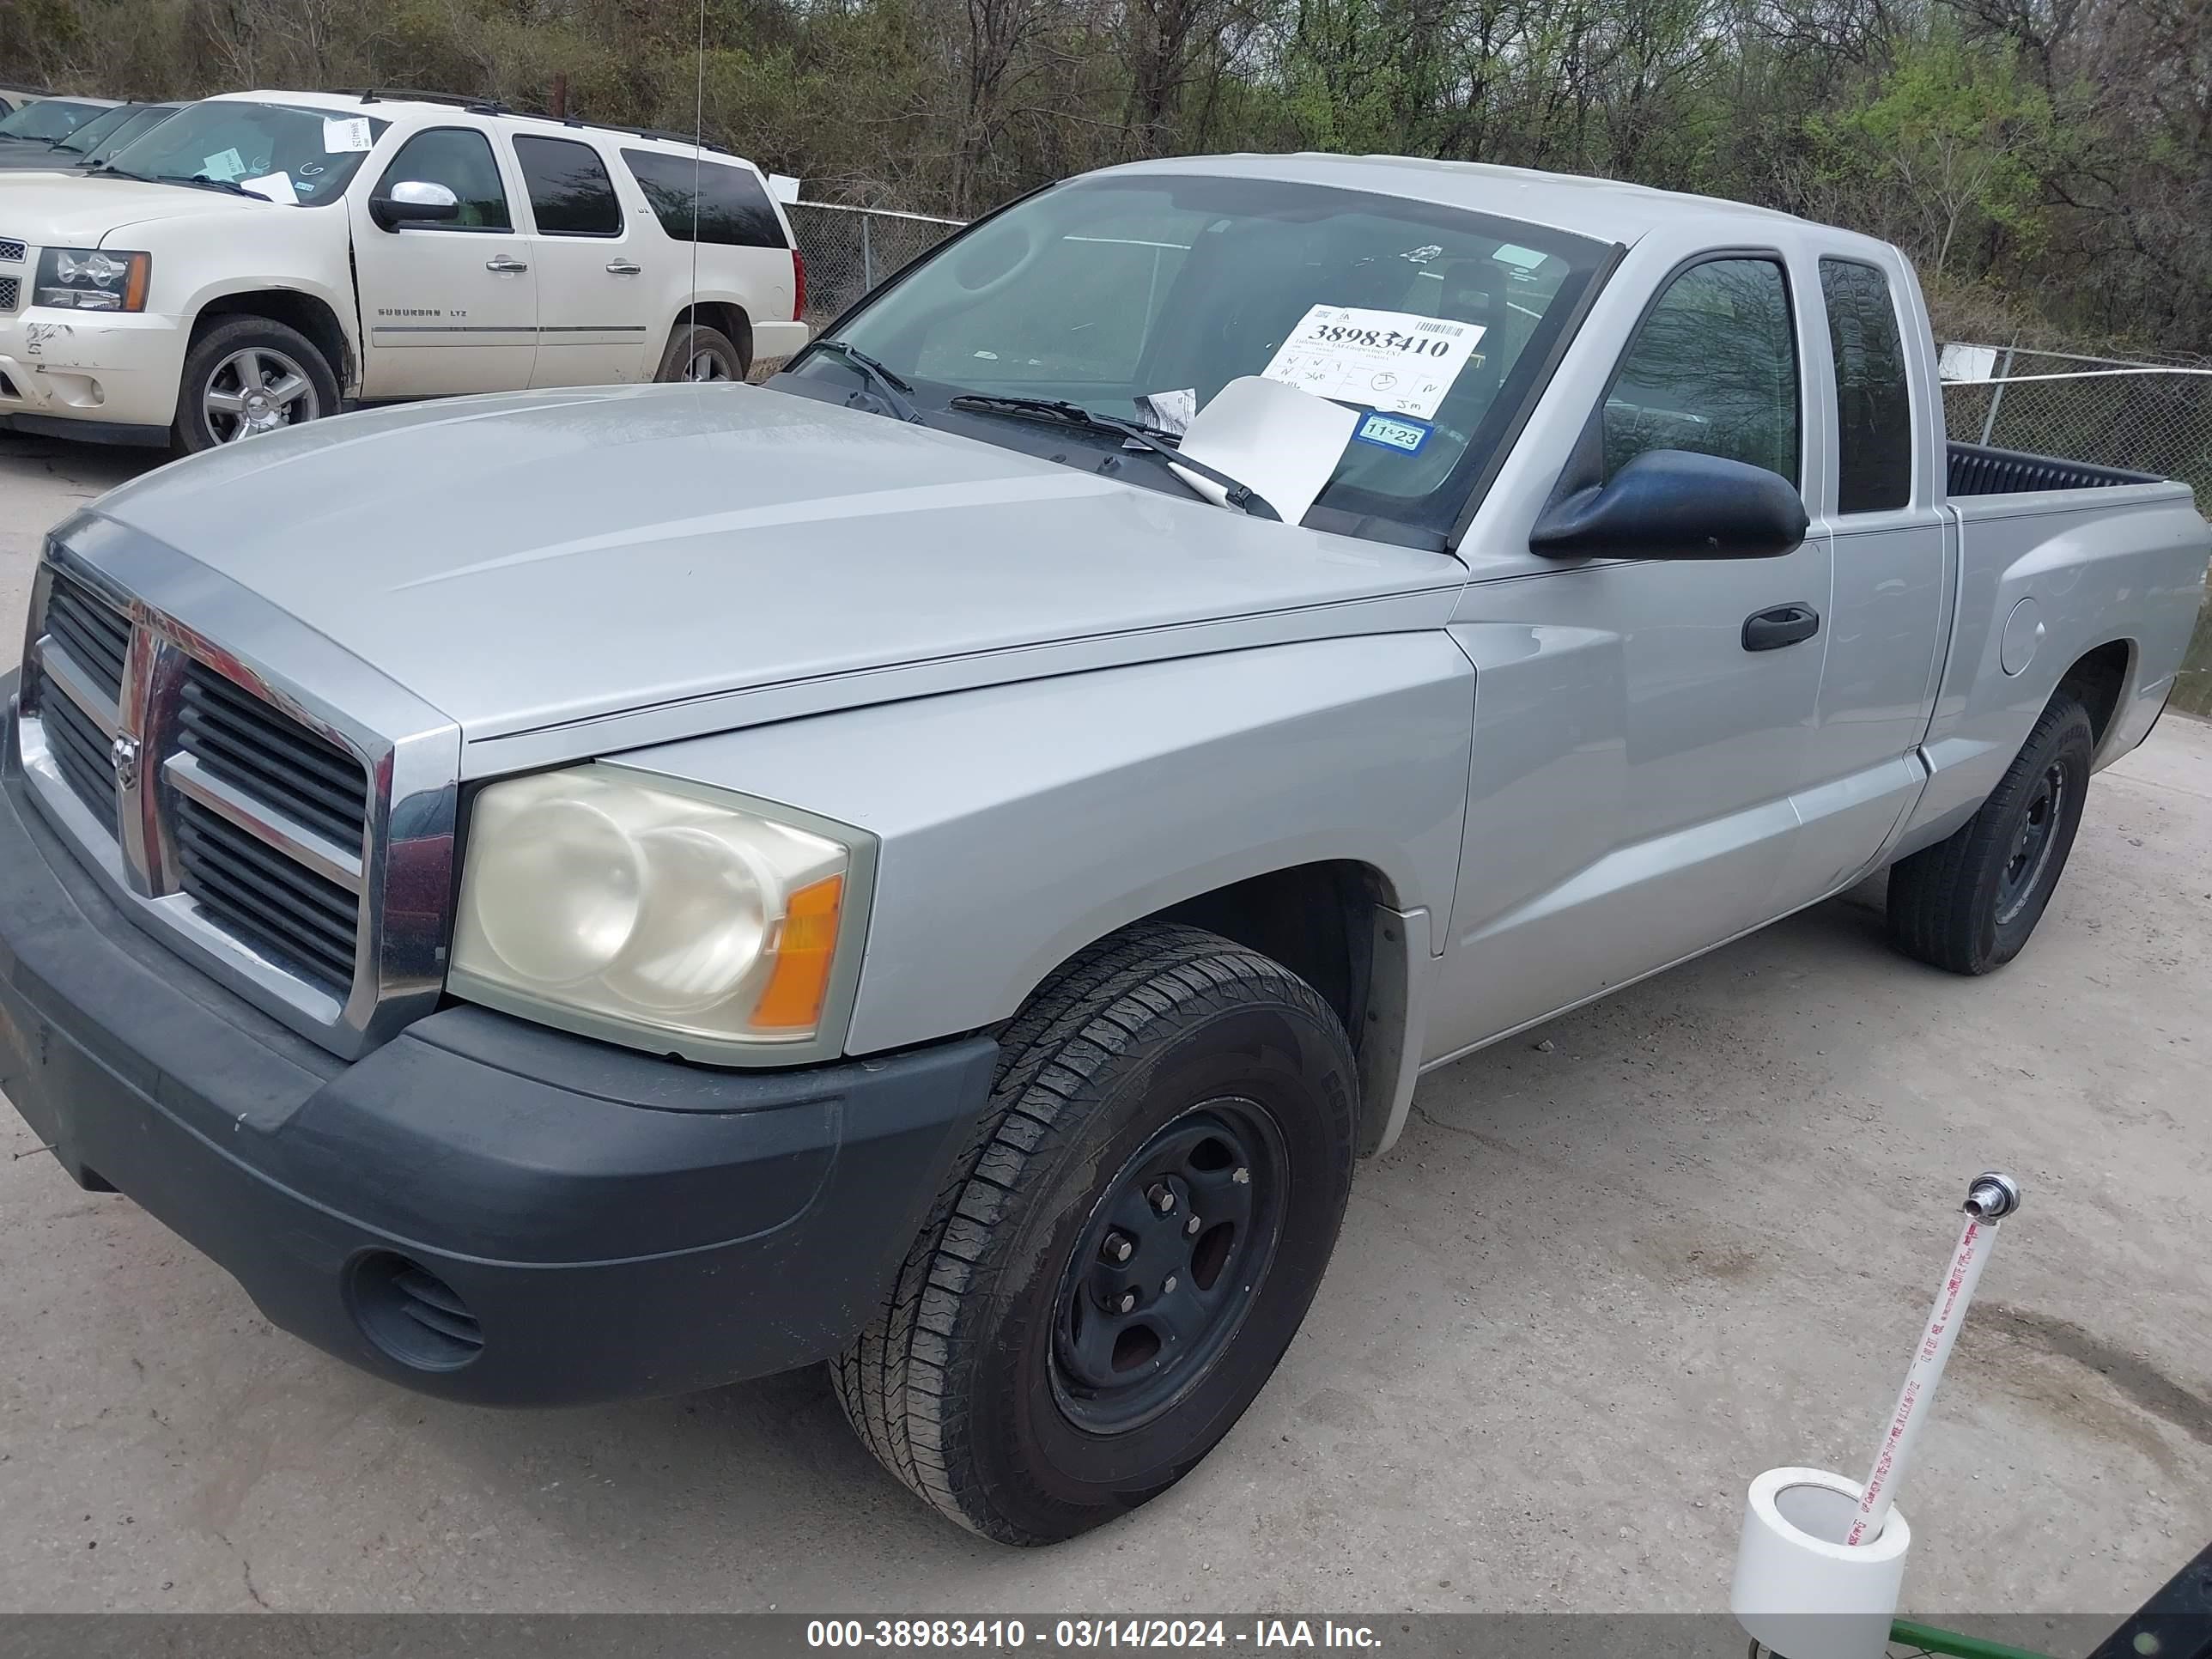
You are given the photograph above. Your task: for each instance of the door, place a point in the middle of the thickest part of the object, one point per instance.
(594, 286)
(1636, 743)
(1885, 620)
(449, 306)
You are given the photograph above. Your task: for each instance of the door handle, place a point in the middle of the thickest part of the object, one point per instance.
(624, 267)
(1785, 624)
(507, 263)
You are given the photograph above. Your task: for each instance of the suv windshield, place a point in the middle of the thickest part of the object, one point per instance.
(49, 119)
(234, 141)
(102, 126)
(1110, 290)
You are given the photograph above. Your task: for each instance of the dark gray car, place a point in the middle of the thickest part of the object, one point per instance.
(90, 145)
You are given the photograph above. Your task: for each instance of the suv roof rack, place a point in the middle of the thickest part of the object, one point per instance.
(415, 95)
(493, 106)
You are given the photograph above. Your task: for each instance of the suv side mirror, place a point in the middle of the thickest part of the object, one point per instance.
(1675, 504)
(414, 203)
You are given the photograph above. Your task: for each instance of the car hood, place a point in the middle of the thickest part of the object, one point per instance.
(71, 209)
(607, 568)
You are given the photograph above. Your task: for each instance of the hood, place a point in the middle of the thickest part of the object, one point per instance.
(72, 210)
(536, 561)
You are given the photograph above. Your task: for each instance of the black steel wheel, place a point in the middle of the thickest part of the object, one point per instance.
(1969, 902)
(1160, 1280)
(1121, 1256)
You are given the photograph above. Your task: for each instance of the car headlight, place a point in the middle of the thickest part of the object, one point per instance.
(660, 914)
(93, 279)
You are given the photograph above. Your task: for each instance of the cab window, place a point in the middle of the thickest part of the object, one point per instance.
(460, 159)
(1713, 370)
(1873, 411)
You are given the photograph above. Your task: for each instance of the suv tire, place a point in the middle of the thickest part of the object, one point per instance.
(246, 375)
(696, 352)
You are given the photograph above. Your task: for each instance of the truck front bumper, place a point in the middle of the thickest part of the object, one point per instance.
(481, 1209)
(105, 375)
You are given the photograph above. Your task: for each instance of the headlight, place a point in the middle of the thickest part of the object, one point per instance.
(93, 279)
(652, 912)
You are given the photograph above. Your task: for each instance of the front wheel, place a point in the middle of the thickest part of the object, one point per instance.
(1127, 1246)
(1968, 904)
(248, 376)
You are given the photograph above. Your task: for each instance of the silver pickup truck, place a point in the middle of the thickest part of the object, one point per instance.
(942, 864)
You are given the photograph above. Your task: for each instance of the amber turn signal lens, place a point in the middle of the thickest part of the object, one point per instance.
(800, 980)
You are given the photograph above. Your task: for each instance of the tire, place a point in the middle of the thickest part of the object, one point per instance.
(1968, 904)
(1165, 1058)
(225, 363)
(694, 344)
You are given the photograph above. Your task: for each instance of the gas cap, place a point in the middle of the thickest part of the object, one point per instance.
(2024, 631)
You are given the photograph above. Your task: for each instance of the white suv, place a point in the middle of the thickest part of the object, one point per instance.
(264, 257)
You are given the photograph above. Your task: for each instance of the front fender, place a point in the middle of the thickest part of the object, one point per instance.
(1019, 822)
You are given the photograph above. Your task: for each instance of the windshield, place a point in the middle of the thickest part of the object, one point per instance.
(101, 127)
(1108, 290)
(50, 118)
(234, 141)
(140, 121)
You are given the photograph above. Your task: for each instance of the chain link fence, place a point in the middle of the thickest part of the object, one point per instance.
(849, 249)
(2152, 417)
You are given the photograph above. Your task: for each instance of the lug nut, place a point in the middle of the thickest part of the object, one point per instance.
(1127, 1304)
(1118, 1247)
(1190, 1227)
(1163, 1199)
(1167, 1289)
(1242, 1177)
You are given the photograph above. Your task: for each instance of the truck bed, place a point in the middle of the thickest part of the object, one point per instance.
(1979, 470)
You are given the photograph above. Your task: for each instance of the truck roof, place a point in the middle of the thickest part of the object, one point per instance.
(1605, 209)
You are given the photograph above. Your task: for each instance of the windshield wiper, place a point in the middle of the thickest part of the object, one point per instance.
(1242, 496)
(895, 392)
(201, 181)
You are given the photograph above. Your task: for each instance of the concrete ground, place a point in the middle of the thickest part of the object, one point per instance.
(1616, 1267)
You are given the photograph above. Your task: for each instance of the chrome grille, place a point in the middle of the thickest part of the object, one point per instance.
(301, 918)
(244, 741)
(11, 251)
(298, 848)
(96, 636)
(10, 291)
(81, 752)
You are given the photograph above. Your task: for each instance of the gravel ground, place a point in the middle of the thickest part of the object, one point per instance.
(1616, 1267)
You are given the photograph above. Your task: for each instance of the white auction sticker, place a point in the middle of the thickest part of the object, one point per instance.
(347, 136)
(226, 165)
(1397, 361)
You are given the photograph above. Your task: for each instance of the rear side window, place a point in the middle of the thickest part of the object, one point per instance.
(569, 190)
(1873, 411)
(458, 158)
(1713, 370)
(733, 209)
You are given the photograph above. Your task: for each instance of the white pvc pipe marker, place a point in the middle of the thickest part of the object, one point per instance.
(1991, 1198)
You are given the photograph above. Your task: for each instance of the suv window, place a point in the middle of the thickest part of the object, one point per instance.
(460, 159)
(1873, 410)
(733, 209)
(569, 190)
(1713, 370)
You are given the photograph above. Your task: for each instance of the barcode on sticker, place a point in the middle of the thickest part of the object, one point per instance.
(1440, 328)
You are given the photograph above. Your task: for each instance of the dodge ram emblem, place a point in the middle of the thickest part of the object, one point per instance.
(124, 751)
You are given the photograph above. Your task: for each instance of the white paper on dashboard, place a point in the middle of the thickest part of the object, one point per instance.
(347, 136)
(1398, 361)
(1283, 443)
(277, 188)
(225, 165)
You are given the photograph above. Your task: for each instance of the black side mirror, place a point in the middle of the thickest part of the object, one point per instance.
(1675, 504)
(414, 203)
